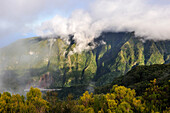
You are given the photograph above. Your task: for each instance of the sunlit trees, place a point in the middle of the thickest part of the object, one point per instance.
(34, 97)
(122, 99)
(87, 99)
(17, 104)
(12, 103)
(119, 100)
(5, 102)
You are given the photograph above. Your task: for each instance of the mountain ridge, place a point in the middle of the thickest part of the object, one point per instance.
(121, 52)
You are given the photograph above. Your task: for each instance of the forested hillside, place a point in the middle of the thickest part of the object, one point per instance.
(51, 63)
(139, 77)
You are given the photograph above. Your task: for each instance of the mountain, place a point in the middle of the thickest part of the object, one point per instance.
(49, 62)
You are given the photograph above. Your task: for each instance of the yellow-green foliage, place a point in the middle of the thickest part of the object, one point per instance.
(34, 97)
(119, 100)
(86, 99)
(17, 104)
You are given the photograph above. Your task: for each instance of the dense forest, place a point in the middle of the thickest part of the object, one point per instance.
(119, 100)
(148, 94)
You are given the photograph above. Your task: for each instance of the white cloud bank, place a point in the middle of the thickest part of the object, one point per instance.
(148, 18)
(17, 16)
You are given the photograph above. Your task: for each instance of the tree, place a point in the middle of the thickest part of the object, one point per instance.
(34, 98)
(87, 99)
(155, 97)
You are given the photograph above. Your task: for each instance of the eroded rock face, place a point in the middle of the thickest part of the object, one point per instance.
(38, 62)
(45, 80)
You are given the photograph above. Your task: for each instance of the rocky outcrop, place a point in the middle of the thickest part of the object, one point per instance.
(45, 80)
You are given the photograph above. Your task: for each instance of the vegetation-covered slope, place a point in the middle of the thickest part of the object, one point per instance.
(139, 77)
(29, 60)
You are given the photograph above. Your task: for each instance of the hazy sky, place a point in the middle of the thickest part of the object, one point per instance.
(26, 18)
(18, 17)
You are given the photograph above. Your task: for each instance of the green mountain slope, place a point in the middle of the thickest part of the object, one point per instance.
(30, 60)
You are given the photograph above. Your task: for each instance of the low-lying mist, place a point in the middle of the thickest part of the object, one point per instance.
(23, 63)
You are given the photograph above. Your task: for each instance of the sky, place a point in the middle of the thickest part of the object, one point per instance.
(18, 18)
(86, 19)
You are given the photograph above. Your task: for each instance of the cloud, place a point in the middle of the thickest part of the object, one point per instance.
(142, 16)
(146, 19)
(18, 16)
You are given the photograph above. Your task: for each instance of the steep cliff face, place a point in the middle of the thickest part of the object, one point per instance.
(123, 51)
(33, 57)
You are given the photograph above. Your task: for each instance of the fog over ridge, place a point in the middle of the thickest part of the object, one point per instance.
(146, 19)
